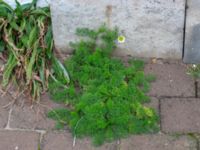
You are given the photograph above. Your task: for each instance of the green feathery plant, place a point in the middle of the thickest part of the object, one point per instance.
(104, 99)
(26, 43)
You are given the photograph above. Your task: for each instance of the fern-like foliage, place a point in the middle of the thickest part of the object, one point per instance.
(105, 98)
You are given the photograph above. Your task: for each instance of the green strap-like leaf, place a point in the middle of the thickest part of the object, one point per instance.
(60, 68)
(2, 46)
(40, 11)
(32, 37)
(42, 73)
(9, 68)
(14, 26)
(5, 9)
(29, 68)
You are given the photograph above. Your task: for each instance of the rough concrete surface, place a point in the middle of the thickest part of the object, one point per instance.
(180, 115)
(153, 28)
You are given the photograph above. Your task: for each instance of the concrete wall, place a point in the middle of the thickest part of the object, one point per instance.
(153, 28)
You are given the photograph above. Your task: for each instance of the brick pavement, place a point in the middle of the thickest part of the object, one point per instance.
(26, 127)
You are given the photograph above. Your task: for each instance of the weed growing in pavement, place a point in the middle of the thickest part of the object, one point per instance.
(104, 99)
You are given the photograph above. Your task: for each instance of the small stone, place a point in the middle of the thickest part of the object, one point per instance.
(154, 61)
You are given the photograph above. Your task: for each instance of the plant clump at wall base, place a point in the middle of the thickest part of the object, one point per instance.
(26, 44)
(104, 99)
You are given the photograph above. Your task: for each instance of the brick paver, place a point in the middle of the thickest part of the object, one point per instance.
(4, 101)
(64, 141)
(30, 118)
(33, 117)
(180, 115)
(18, 140)
(171, 80)
(158, 142)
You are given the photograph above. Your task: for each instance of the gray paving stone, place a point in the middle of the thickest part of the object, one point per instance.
(158, 142)
(171, 80)
(18, 140)
(33, 117)
(180, 115)
(64, 141)
(192, 36)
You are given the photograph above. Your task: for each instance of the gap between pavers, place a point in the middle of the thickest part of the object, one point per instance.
(197, 88)
(180, 115)
(19, 140)
(172, 80)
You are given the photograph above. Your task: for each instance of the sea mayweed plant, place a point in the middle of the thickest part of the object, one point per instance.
(105, 100)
